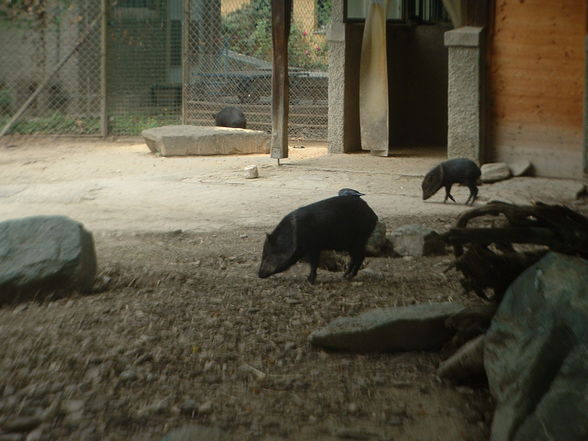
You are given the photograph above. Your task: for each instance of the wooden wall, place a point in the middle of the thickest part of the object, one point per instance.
(536, 84)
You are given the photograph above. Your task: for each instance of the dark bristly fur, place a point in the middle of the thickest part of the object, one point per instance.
(342, 223)
(460, 170)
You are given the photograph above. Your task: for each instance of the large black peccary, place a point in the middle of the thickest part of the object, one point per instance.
(458, 170)
(230, 117)
(342, 223)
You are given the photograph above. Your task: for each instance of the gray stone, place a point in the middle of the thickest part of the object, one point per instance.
(205, 140)
(466, 364)
(43, 253)
(197, 433)
(536, 351)
(416, 240)
(495, 171)
(408, 328)
(465, 36)
(377, 242)
(520, 168)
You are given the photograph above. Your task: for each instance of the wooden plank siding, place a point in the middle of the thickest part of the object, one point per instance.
(536, 83)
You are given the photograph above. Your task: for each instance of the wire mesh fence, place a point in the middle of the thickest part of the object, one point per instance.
(49, 62)
(119, 66)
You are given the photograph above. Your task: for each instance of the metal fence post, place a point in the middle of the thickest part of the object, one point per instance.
(185, 48)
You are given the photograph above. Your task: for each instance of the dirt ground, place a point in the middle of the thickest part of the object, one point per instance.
(180, 330)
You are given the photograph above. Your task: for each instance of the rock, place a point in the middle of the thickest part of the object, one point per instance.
(408, 328)
(536, 351)
(467, 364)
(44, 253)
(197, 433)
(35, 435)
(416, 240)
(251, 172)
(189, 407)
(205, 140)
(72, 406)
(205, 408)
(495, 171)
(520, 168)
(377, 242)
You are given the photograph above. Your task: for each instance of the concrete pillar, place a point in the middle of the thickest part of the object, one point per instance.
(466, 131)
(336, 44)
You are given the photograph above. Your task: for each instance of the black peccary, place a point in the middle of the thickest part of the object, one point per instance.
(459, 170)
(350, 192)
(230, 117)
(342, 223)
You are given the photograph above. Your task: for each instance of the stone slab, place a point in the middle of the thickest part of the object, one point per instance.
(186, 140)
(408, 328)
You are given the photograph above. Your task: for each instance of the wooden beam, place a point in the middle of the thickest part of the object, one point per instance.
(281, 16)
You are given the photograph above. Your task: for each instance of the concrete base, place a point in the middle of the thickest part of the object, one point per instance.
(205, 140)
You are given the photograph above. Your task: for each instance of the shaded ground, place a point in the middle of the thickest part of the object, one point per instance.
(181, 330)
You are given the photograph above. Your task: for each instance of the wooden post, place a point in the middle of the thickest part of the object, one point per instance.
(103, 76)
(281, 15)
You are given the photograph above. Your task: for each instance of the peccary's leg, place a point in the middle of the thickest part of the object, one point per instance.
(448, 193)
(313, 257)
(354, 265)
(473, 193)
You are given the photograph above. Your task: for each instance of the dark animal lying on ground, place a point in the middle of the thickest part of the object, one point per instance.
(342, 223)
(230, 117)
(459, 170)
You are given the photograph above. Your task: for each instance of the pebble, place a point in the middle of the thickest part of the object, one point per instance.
(205, 408)
(188, 406)
(72, 406)
(35, 435)
(128, 376)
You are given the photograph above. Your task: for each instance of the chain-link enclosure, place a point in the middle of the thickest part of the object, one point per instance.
(120, 66)
(234, 67)
(50, 68)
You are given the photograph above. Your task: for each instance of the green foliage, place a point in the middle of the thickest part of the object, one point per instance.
(248, 31)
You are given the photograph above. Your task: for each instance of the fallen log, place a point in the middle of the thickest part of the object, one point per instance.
(490, 260)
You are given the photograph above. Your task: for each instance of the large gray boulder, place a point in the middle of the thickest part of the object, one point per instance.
(43, 253)
(536, 354)
(205, 140)
(408, 328)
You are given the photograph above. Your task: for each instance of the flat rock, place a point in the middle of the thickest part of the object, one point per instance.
(416, 240)
(520, 168)
(495, 171)
(187, 140)
(535, 354)
(408, 328)
(43, 253)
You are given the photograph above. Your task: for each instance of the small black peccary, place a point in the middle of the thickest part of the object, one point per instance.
(230, 117)
(342, 223)
(458, 170)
